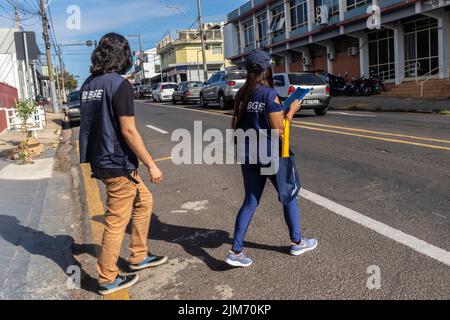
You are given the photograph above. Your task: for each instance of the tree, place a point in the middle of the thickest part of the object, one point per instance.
(70, 81)
(25, 110)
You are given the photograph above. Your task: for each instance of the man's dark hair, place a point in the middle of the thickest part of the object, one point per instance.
(113, 54)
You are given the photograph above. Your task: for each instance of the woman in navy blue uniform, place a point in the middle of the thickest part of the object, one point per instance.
(257, 107)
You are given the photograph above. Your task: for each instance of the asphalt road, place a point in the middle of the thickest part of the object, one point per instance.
(377, 197)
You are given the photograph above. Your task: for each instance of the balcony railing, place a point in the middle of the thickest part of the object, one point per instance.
(189, 36)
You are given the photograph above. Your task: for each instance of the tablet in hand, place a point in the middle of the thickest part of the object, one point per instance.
(298, 94)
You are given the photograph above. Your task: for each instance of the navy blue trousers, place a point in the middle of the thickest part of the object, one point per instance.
(254, 184)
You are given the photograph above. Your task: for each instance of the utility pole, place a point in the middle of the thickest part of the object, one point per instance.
(63, 71)
(141, 58)
(16, 12)
(202, 35)
(49, 56)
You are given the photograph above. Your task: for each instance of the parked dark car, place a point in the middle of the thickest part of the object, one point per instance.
(188, 91)
(73, 106)
(146, 92)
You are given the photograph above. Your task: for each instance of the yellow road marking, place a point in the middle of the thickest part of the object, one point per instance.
(302, 126)
(376, 138)
(163, 159)
(373, 132)
(96, 213)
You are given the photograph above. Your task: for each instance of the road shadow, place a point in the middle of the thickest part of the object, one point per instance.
(55, 248)
(195, 241)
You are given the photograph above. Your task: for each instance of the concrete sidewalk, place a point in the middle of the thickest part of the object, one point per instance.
(381, 103)
(36, 218)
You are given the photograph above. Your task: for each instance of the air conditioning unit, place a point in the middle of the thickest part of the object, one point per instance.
(331, 56)
(322, 15)
(352, 51)
(307, 61)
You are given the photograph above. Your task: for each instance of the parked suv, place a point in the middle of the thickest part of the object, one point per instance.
(222, 88)
(164, 91)
(319, 97)
(188, 91)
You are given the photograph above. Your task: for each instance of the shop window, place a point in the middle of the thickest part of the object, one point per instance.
(381, 54)
(421, 47)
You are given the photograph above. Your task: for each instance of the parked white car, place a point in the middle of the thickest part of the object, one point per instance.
(164, 91)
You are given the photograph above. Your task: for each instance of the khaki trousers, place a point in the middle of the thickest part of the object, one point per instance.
(125, 200)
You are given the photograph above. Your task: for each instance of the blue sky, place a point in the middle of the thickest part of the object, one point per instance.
(150, 18)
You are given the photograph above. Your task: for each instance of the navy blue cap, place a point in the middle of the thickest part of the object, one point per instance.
(260, 58)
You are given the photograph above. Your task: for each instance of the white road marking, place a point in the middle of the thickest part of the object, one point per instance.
(179, 211)
(412, 242)
(439, 215)
(196, 205)
(157, 129)
(353, 114)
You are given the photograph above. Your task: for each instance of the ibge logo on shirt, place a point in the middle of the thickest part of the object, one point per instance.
(94, 95)
(256, 106)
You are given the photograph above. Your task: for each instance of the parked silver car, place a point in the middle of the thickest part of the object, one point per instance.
(222, 88)
(188, 91)
(319, 97)
(164, 91)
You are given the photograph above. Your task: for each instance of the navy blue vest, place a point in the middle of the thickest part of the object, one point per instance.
(101, 141)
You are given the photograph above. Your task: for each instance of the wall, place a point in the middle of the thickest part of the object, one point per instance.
(8, 95)
(345, 63)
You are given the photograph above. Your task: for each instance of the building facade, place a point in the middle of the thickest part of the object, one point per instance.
(151, 68)
(181, 54)
(13, 71)
(399, 40)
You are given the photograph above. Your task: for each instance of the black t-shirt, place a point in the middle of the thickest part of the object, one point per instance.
(123, 105)
(123, 100)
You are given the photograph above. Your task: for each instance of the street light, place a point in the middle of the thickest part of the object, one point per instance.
(88, 43)
(202, 33)
(182, 11)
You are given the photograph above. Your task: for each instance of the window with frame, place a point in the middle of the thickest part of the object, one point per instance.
(333, 6)
(262, 29)
(353, 4)
(421, 47)
(277, 25)
(249, 33)
(381, 54)
(217, 50)
(299, 13)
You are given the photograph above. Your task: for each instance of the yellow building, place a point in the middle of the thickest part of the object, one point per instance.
(181, 54)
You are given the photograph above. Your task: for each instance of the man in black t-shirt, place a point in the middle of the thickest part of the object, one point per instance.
(112, 145)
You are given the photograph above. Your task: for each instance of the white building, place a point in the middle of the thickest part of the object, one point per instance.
(13, 71)
(152, 67)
